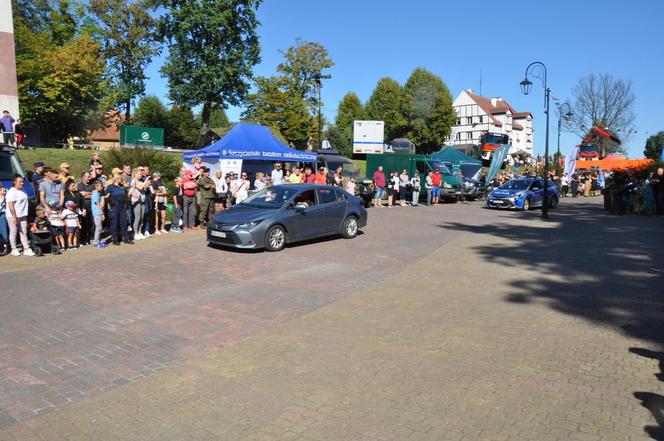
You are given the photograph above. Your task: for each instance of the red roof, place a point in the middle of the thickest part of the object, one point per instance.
(500, 108)
(112, 131)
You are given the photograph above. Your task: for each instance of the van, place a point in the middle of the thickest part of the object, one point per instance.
(450, 189)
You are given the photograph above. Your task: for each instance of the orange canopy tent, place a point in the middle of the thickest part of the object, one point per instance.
(613, 163)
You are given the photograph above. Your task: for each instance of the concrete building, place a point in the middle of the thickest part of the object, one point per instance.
(477, 115)
(8, 85)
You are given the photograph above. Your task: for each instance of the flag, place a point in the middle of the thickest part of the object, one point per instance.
(497, 161)
(570, 164)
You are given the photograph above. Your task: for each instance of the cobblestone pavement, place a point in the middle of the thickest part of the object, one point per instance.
(442, 323)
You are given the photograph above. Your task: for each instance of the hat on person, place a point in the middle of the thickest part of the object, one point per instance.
(206, 169)
(116, 171)
(71, 205)
(38, 164)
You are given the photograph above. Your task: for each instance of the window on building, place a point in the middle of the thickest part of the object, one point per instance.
(458, 122)
(458, 136)
(481, 119)
(469, 120)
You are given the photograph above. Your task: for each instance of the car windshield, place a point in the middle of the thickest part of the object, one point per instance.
(9, 166)
(495, 139)
(437, 165)
(349, 168)
(516, 184)
(273, 197)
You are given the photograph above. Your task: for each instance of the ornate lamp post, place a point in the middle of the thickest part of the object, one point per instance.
(564, 111)
(538, 70)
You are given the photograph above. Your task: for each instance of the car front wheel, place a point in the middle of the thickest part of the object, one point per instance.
(553, 202)
(275, 238)
(350, 227)
(526, 205)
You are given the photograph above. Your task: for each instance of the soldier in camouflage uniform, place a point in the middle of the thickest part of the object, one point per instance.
(206, 187)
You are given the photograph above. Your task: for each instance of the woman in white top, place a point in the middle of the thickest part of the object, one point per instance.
(403, 187)
(415, 185)
(17, 216)
(221, 190)
(240, 188)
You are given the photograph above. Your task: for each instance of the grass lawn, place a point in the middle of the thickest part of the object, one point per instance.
(78, 159)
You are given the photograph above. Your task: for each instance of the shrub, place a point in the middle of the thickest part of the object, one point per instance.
(168, 164)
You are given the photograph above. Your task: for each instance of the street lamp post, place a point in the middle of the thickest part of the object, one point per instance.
(538, 70)
(567, 115)
(318, 81)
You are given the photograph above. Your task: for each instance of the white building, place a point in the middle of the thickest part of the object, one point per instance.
(477, 115)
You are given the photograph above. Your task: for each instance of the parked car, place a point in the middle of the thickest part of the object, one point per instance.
(283, 214)
(522, 193)
(10, 165)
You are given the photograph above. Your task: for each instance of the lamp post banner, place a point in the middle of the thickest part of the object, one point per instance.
(497, 161)
(570, 162)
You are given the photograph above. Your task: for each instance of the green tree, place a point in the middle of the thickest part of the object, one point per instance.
(288, 101)
(654, 146)
(428, 108)
(129, 42)
(183, 131)
(386, 103)
(151, 112)
(349, 109)
(213, 49)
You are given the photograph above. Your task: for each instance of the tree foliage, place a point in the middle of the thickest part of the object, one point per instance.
(350, 109)
(151, 112)
(129, 41)
(180, 126)
(428, 109)
(165, 163)
(386, 103)
(213, 48)
(654, 146)
(288, 101)
(600, 100)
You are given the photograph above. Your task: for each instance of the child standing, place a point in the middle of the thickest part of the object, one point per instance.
(350, 186)
(72, 223)
(97, 208)
(57, 225)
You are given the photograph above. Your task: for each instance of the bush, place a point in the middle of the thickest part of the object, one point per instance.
(167, 164)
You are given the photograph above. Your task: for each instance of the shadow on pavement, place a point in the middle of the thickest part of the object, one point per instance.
(605, 269)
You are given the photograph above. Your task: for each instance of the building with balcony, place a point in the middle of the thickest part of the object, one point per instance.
(477, 115)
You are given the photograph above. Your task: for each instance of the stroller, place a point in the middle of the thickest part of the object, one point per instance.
(42, 241)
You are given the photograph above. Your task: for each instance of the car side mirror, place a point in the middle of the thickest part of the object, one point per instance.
(299, 207)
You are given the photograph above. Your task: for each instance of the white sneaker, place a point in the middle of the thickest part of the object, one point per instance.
(16, 252)
(28, 252)
(157, 232)
(147, 234)
(138, 236)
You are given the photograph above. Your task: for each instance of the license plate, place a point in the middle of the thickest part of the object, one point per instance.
(217, 234)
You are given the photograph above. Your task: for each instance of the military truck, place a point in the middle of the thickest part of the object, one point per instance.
(450, 190)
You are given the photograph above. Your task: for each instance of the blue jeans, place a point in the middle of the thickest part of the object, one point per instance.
(4, 228)
(379, 193)
(435, 192)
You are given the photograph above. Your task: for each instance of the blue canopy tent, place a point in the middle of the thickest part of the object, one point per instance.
(250, 142)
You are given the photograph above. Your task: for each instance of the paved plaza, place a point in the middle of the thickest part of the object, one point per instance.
(437, 323)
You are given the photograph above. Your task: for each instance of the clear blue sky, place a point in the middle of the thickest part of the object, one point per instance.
(370, 39)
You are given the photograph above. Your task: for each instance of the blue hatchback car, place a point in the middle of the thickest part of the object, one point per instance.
(523, 193)
(283, 214)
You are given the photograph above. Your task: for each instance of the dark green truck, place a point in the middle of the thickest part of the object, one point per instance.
(450, 189)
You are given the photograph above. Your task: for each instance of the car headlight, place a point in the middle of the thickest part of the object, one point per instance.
(517, 196)
(246, 225)
(446, 185)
